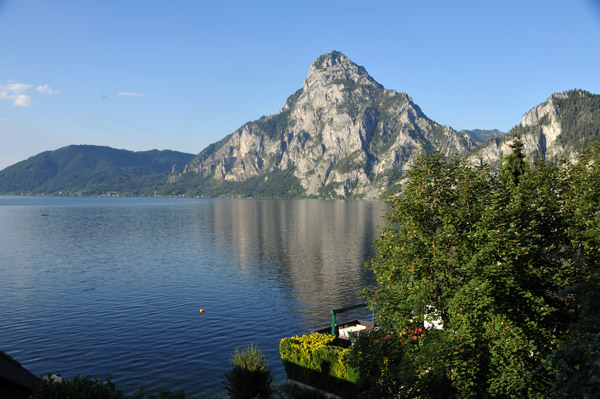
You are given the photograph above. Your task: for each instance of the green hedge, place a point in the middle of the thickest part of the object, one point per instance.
(315, 360)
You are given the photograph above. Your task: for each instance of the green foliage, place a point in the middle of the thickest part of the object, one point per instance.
(580, 119)
(249, 376)
(491, 256)
(315, 360)
(580, 184)
(291, 100)
(386, 362)
(349, 163)
(576, 361)
(91, 170)
(481, 136)
(162, 393)
(214, 147)
(329, 190)
(274, 126)
(77, 388)
(86, 388)
(276, 184)
(577, 368)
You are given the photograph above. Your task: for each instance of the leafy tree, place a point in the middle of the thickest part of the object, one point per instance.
(490, 256)
(576, 360)
(391, 364)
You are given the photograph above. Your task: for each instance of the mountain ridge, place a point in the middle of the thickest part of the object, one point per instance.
(91, 170)
(343, 135)
(557, 128)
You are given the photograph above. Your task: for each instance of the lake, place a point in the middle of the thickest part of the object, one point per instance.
(113, 286)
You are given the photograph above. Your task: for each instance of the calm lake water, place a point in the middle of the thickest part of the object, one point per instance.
(113, 286)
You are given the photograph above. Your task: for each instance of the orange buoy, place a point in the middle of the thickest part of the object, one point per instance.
(201, 310)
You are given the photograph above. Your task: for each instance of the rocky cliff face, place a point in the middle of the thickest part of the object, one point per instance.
(561, 126)
(341, 135)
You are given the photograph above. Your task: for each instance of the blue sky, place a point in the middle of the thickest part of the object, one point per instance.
(180, 75)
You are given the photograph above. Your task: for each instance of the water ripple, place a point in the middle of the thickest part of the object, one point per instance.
(113, 286)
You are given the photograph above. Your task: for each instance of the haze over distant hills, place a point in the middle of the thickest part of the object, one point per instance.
(342, 135)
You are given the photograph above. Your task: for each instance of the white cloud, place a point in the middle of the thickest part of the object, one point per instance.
(45, 89)
(129, 94)
(22, 100)
(18, 93)
(17, 87)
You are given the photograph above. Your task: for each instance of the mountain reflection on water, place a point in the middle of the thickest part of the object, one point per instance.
(317, 246)
(112, 286)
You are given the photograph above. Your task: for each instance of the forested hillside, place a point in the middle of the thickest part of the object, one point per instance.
(91, 170)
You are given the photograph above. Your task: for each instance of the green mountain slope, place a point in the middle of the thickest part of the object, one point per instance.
(92, 170)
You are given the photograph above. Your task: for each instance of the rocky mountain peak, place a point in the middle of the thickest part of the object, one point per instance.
(549, 110)
(331, 59)
(544, 124)
(559, 127)
(341, 135)
(336, 68)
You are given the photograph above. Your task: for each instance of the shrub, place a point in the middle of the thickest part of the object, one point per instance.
(86, 388)
(249, 376)
(313, 359)
(162, 393)
(78, 387)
